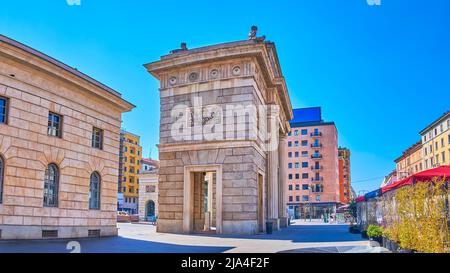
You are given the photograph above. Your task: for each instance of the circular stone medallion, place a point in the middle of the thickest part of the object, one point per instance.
(173, 80)
(193, 76)
(236, 71)
(214, 74)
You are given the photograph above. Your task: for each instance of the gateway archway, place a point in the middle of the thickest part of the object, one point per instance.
(202, 199)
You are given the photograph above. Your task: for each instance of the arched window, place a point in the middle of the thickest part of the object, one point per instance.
(94, 191)
(51, 186)
(2, 167)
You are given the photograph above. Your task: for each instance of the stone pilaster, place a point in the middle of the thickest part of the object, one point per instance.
(273, 179)
(273, 189)
(282, 183)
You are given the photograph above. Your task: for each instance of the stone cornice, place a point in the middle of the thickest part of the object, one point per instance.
(263, 52)
(36, 60)
(188, 146)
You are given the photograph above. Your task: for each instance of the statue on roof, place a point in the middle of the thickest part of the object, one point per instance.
(252, 35)
(183, 47)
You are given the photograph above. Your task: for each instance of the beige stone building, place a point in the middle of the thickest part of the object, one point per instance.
(148, 189)
(224, 118)
(436, 143)
(59, 145)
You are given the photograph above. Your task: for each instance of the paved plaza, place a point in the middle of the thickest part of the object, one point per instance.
(300, 237)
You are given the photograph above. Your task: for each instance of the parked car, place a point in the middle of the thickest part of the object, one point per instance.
(123, 217)
(134, 218)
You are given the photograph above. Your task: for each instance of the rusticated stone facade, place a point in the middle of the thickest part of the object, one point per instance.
(35, 85)
(224, 114)
(239, 167)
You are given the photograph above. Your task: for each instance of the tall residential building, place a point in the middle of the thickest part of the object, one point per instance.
(345, 190)
(436, 142)
(312, 165)
(59, 146)
(410, 162)
(129, 168)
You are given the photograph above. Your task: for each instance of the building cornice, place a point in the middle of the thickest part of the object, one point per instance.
(312, 123)
(436, 122)
(37, 60)
(264, 53)
(414, 148)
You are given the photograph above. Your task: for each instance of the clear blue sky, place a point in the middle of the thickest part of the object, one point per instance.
(382, 73)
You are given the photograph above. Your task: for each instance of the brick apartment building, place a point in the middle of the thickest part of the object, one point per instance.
(312, 165)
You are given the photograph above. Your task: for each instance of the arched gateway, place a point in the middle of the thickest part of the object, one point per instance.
(224, 118)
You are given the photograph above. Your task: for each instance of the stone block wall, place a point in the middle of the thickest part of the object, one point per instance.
(244, 126)
(239, 181)
(27, 150)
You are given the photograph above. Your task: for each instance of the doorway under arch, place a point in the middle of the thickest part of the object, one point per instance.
(150, 209)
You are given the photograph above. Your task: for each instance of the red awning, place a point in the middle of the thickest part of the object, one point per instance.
(360, 199)
(439, 172)
(396, 185)
(424, 176)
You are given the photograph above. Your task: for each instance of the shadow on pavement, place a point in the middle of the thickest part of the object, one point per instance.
(341, 249)
(303, 234)
(104, 245)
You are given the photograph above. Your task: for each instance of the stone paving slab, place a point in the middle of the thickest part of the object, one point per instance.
(339, 249)
(136, 238)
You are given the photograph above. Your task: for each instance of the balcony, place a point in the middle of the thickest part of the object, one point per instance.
(316, 168)
(317, 188)
(317, 145)
(317, 179)
(316, 134)
(316, 156)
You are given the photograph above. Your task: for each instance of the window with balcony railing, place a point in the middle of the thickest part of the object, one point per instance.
(316, 133)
